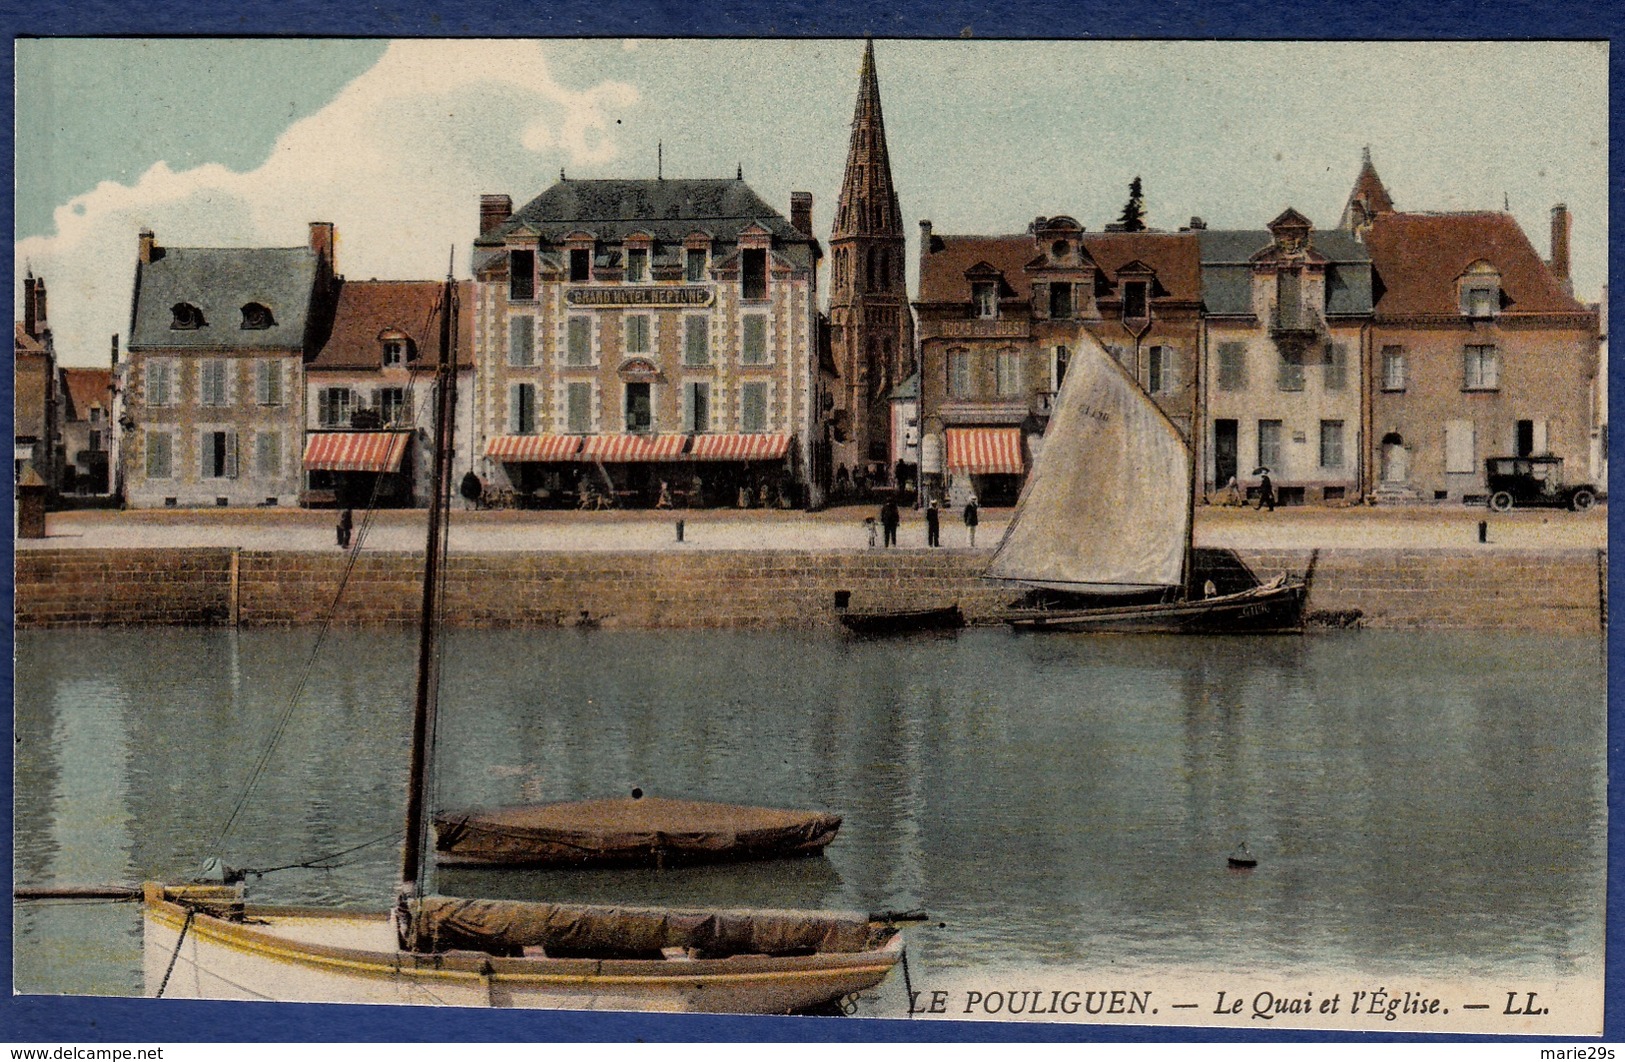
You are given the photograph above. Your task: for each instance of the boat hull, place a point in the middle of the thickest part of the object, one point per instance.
(1261, 610)
(904, 622)
(313, 955)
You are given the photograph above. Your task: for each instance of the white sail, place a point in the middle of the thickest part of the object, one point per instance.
(1105, 509)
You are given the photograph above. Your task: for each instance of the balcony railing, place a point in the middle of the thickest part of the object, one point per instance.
(1293, 320)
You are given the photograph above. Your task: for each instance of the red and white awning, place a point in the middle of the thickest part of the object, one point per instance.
(985, 450)
(533, 447)
(634, 448)
(343, 451)
(739, 447)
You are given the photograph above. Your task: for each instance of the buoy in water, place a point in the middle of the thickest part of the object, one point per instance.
(1243, 858)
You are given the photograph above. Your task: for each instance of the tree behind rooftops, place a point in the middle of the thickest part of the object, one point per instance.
(1133, 217)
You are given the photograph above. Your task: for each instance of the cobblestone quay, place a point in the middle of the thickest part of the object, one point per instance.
(1534, 590)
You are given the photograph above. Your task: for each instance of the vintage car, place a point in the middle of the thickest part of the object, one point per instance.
(1535, 481)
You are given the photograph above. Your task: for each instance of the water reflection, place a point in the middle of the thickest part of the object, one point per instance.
(1423, 803)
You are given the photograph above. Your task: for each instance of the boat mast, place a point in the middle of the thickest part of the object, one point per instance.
(424, 702)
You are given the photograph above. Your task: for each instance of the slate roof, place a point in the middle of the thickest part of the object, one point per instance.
(1227, 272)
(366, 309)
(1418, 258)
(220, 281)
(668, 210)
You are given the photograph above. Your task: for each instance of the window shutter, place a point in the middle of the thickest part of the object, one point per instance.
(1458, 446)
(205, 454)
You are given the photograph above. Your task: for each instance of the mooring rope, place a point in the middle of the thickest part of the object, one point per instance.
(191, 913)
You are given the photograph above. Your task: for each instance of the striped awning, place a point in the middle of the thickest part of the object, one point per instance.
(739, 447)
(533, 447)
(344, 451)
(985, 450)
(634, 448)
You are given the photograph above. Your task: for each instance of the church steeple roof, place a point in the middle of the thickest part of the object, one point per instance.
(1368, 199)
(868, 203)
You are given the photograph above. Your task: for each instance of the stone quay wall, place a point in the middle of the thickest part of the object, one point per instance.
(1551, 591)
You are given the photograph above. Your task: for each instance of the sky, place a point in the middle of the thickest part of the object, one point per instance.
(216, 143)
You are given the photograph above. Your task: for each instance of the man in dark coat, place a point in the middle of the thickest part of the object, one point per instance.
(1266, 492)
(933, 525)
(888, 521)
(346, 522)
(972, 517)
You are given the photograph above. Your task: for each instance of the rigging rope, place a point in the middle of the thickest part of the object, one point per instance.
(191, 913)
(352, 555)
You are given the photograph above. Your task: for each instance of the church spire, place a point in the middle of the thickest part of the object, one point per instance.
(1368, 199)
(868, 203)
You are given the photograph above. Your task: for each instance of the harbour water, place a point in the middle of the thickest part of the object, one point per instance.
(1428, 804)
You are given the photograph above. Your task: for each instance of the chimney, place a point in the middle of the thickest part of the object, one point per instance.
(30, 325)
(41, 318)
(146, 247)
(925, 237)
(1561, 223)
(115, 352)
(495, 209)
(321, 242)
(1197, 224)
(801, 212)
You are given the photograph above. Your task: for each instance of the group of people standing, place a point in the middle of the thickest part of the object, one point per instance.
(890, 518)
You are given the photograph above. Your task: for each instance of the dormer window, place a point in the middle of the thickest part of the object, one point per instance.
(397, 349)
(257, 316)
(694, 272)
(637, 266)
(1481, 290)
(1060, 249)
(1060, 300)
(580, 264)
(1136, 300)
(185, 316)
(985, 298)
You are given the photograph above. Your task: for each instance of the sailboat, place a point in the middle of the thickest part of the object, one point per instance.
(206, 941)
(1102, 532)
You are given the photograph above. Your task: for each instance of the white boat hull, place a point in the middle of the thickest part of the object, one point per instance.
(311, 955)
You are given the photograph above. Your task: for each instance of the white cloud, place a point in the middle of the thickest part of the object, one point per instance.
(397, 161)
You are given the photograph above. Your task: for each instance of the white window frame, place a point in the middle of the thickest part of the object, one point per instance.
(1007, 373)
(1481, 367)
(325, 406)
(402, 408)
(984, 295)
(1393, 368)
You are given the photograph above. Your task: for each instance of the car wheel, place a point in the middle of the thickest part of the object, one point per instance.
(1501, 501)
(1582, 500)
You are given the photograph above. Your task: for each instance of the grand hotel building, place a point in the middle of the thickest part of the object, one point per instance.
(633, 333)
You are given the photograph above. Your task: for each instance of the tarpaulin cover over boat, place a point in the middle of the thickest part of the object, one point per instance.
(506, 927)
(651, 830)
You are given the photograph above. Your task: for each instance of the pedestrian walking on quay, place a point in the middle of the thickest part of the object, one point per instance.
(1266, 492)
(933, 525)
(888, 521)
(869, 526)
(346, 522)
(972, 517)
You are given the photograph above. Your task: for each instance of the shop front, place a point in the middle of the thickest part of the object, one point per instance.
(985, 462)
(357, 470)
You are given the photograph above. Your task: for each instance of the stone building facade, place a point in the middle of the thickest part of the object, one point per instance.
(1479, 349)
(1285, 335)
(218, 338)
(37, 391)
(871, 329)
(633, 333)
(999, 317)
(369, 393)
